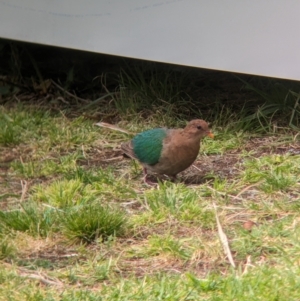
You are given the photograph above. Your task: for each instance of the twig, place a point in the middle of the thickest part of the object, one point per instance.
(96, 101)
(55, 208)
(247, 265)
(112, 127)
(62, 100)
(113, 159)
(59, 256)
(83, 152)
(39, 277)
(24, 185)
(29, 274)
(67, 92)
(223, 238)
(224, 194)
(196, 167)
(295, 137)
(247, 188)
(129, 203)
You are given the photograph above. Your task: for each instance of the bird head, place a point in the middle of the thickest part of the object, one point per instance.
(198, 128)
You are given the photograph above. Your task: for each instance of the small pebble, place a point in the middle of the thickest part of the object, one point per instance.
(248, 225)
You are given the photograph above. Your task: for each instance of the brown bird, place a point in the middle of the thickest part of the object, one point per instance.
(167, 151)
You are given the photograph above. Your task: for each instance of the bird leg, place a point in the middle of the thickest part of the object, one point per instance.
(146, 180)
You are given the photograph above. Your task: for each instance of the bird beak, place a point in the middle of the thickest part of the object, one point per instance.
(210, 135)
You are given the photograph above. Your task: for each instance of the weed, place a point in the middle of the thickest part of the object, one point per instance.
(146, 87)
(170, 197)
(64, 193)
(7, 250)
(281, 103)
(167, 245)
(90, 222)
(28, 218)
(10, 130)
(275, 172)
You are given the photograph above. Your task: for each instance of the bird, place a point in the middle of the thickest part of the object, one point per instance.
(167, 151)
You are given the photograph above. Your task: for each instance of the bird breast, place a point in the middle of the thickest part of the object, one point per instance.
(178, 153)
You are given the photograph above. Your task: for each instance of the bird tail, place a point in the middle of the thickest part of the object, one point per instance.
(127, 148)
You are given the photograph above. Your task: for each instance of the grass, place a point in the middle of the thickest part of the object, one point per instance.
(77, 222)
(29, 218)
(277, 172)
(91, 222)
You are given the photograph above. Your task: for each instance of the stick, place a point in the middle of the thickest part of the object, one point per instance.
(112, 127)
(41, 279)
(67, 92)
(223, 239)
(24, 185)
(246, 188)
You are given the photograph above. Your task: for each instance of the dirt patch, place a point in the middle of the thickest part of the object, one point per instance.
(270, 145)
(96, 157)
(207, 168)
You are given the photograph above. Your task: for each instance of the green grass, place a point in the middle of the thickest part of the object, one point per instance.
(281, 103)
(90, 222)
(64, 193)
(29, 218)
(275, 172)
(78, 223)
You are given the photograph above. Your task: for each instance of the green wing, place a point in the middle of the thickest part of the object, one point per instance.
(148, 145)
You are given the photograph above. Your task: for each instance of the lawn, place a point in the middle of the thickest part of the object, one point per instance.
(78, 222)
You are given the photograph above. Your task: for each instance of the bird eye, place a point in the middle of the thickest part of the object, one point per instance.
(199, 127)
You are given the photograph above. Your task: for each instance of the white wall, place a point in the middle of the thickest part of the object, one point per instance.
(255, 37)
